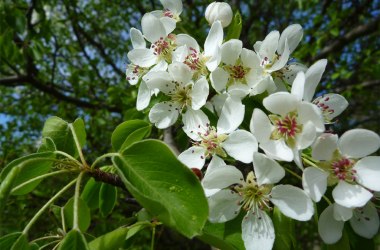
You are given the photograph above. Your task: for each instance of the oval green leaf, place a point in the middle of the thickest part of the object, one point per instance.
(163, 185)
(84, 215)
(284, 231)
(235, 27)
(129, 132)
(90, 193)
(6, 187)
(7, 241)
(74, 240)
(107, 198)
(47, 145)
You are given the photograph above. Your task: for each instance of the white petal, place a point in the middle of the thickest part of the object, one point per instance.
(180, 53)
(152, 28)
(293, 202)
(195, 121)
(260, 125)
(231, 116)
(368, 172)
(240, 144)
(313, 76)
(324, 147)
(137, 39)
(310, 112)
(142, 57)
(342, 213)
(219, 79)
(223, 206)
(162, 65)
(231, 51)
(218, 102)
(214, 38)
(290, 71)
(307, 136)
(281, 103)
(193, 157)
(257, 46)
(163, 115)
(293, 33)
(258, 84)
(143, 96)
(199, 93)
(298, 85)
(314, 182)
(238, 90)
(357, 143)
(257, 231)
(213, 60)
(222, 177)
(365, 221)
(333, 103)
(175, 6)
(329, 229)
(159, 80)
(169, 24)
(180, 73)
(281, 62)
(269, 45)
(185, 39)
(349, 195)
(277, 150)
(249, 58)
(214, 164)
(297, 158)
(267, 171)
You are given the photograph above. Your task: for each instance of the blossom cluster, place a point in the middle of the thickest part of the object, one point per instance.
(286, 130)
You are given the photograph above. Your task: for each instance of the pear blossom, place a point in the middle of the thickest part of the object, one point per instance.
(169, 16)
(237, 74)
(183, 92)
(222, 140)
(292, 125)
(219, 11)
(256, 196)
(331, 105)
(203, 62)
(274, 52)
(364, 221)
(345, 164)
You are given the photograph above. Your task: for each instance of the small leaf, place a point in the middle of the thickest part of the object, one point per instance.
(7, 241)
(84, 216)
(31, 166)
(115, 240)
(21, 243)
(224, 235)
(47, 145)
(107, 199)
(129, 132)
(6, 187)
(284, 231)
(163, 185)
(90, 193)
(74, 240)
(235, 27)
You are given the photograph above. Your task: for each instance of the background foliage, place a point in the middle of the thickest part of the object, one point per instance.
(67, 58)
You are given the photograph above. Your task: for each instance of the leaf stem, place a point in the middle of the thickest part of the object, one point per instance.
(76, 202)
(68, 156)
(37, 178)
(102, 157)
(79, 148)
(47, 204)
(292, 173)
(46, 238)
(153, 235)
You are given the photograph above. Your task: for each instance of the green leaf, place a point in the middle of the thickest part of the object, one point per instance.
(6, 187)
(21, 243)
(59, 131)
(47, 145)
(7, 241)
(31, 166)
(107, 199)
(235, 27)
(74, 240)
(163, 185)
(84, 215)
(115, 240)
(284, 231)
(224, 235)
(90, 193)
(129, 132)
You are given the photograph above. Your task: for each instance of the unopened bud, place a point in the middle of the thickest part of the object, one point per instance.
(219, 11)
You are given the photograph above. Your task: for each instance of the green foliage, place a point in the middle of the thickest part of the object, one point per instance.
(91, 193)
(74, 240)
(107, 199)
(84, 215)
(163, 185)
(234, 29)
(284, 231)
(129, 132)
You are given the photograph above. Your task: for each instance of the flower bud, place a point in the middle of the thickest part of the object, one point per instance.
(219, 11)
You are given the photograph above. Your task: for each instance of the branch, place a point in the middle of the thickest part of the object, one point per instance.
(13, 81)
(339, 43)
(108, 178)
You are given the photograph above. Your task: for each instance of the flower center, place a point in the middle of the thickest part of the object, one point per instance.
(164, 47)
(181, 94)
(170, 14)
(237, 73)
(134, 72)
(196, 63)
(341, 169)
(286, 128)
(254, 196)
(211, 141)
(326, 110)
